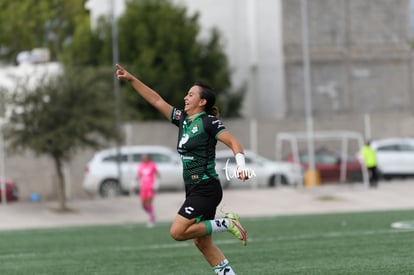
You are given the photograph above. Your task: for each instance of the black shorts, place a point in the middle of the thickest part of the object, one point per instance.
(201, 200)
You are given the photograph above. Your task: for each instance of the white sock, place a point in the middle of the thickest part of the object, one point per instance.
(219, 225)
(224, 268)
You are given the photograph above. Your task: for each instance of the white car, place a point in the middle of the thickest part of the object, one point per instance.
(263, 172)
(102, 173)
(395, 156)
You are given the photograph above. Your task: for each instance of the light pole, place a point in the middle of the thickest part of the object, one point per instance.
(308, 92)
(115, 60)
(252, 9)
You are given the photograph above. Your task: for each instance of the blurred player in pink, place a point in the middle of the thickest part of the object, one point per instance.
(147, 171)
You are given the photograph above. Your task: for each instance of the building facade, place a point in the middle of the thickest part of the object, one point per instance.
(360, 52)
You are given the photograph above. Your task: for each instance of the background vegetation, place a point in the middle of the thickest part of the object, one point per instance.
(159, 42)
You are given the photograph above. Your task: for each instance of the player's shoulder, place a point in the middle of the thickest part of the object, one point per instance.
(210, 118)
(213, 121)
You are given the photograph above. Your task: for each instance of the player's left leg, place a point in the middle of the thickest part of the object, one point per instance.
(150, 211)
(213, 255)
(146, 200)
(183, 229)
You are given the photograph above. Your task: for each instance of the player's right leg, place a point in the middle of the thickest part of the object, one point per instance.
(236, 228)
(231, 223)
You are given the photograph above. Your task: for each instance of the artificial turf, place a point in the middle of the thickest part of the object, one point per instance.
(344, 243)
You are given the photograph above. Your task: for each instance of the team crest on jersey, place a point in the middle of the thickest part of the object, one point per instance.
(195, 129)
(177, 114)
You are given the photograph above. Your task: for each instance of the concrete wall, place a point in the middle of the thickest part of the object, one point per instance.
(360, 55)
(37, 174)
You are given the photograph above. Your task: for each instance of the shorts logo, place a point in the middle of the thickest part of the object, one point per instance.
(189, 210)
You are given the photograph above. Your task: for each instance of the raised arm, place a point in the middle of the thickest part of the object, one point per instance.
(151, 96)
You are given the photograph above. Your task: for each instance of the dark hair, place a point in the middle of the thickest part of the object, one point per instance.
(207, 93)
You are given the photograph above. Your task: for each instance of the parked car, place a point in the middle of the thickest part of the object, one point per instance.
(395, 157)
(264, 172)
(12, 192)
(329, 164)
(101, 173)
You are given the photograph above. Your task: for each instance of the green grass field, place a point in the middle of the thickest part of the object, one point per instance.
(348, 243)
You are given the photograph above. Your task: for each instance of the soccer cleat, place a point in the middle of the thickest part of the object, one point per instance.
(236, 228)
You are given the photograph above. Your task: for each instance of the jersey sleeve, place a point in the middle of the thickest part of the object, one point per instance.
(214, 126)
(176, 116)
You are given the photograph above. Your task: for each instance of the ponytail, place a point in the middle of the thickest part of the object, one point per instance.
(214, 111)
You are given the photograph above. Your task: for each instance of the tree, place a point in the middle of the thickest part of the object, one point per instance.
(61, 115)
(87, 45)
(161, 44)
(28, 24)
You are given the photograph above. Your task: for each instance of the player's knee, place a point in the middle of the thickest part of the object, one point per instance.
(176, 235)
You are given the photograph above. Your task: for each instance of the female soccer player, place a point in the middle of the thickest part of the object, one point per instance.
(146, 173)
(198, 132)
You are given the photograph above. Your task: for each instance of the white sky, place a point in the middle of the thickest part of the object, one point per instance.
(101, 7)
